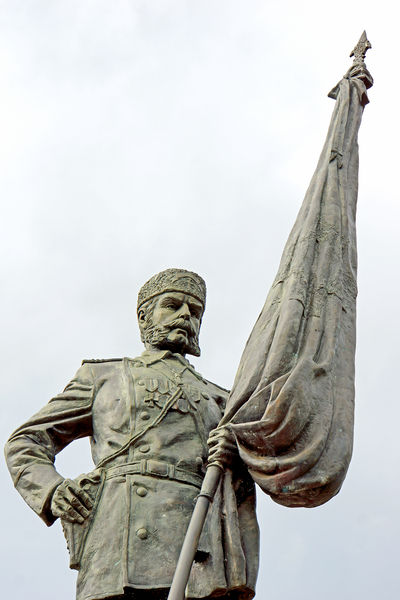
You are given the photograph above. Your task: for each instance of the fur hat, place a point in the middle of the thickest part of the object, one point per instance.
(173, 280)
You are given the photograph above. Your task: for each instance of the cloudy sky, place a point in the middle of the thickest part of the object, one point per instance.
(139, 135)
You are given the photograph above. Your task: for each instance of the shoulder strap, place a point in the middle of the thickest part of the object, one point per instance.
(170, 402)
(100, 360)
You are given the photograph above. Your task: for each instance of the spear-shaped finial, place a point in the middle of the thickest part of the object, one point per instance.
(358, 69)
(360, 49)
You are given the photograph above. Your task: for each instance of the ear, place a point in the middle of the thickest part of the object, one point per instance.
(141, 316)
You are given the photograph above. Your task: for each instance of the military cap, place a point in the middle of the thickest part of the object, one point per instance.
(173, 280)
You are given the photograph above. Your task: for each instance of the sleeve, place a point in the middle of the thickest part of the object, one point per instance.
(31, 450)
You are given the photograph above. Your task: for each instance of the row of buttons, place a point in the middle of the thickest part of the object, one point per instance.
(145, 416)
(142, 533)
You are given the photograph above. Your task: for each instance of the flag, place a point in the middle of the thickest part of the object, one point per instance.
(292, 403)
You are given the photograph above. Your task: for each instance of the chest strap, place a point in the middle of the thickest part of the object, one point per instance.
(155, 468)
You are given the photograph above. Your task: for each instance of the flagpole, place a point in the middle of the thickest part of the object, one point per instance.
(215, 470)
(190, 544)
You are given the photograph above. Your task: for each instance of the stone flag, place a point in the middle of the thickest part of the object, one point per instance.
(292, 401)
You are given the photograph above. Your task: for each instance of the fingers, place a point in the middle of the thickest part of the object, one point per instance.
(72, 515)
(224, 453)
(65, 511)
(79, 507)
(221, 435)
(83, 497)
(70, 502)
(222, 441)
(222, 447)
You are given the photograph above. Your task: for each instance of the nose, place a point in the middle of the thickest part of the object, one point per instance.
(184, 311)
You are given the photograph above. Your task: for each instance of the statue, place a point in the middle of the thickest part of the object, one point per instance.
(162, 436)
(149, 419)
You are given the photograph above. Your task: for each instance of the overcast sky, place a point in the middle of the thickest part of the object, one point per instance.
(140, 135)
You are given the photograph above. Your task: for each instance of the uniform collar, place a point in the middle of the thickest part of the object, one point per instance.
(149, 357)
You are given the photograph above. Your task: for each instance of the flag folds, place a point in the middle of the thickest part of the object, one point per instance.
(291, 406)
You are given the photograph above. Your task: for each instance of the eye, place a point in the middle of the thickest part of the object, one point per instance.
(170, 304)
(196, 311)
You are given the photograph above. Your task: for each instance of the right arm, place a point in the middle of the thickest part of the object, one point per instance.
(32, 448)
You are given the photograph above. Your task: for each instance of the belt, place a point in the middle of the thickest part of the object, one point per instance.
(156, 468)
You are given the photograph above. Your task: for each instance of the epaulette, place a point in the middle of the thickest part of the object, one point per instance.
(100, 360)
(206, 381)
(217, 386)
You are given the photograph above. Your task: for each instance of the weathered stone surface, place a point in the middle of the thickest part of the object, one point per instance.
(287, 424)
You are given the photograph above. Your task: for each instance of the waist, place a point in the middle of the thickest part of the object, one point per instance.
(155, 468)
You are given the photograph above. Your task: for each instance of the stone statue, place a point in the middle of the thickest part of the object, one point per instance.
(155, 424)
(149, 419)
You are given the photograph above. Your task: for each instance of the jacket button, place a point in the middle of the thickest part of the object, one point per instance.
(141, 491)
(140, 382)
(142, 533)
(145, 416)
(199, 462)
(144, 448)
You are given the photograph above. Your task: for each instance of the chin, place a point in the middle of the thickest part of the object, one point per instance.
(178, 339)
(194, 351)
(181, 344)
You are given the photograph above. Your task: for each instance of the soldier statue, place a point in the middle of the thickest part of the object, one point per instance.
(155, 424)
(149, 420)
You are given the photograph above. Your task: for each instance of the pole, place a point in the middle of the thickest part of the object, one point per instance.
(190, 544)
(258, 336)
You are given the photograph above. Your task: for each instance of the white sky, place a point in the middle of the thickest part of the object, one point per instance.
(139, 135)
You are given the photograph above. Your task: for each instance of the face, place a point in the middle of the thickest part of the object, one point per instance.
(173, 323)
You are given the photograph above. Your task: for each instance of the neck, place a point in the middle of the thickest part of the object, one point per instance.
(154, 349)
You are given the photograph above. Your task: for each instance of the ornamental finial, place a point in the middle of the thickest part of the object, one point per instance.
(360, 49)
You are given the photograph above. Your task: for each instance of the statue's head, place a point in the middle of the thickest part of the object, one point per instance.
(170, 308)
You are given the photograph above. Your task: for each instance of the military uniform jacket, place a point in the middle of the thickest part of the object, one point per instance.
(150, 460)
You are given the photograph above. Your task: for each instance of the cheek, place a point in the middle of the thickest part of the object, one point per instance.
(161, 316)
(196, 325)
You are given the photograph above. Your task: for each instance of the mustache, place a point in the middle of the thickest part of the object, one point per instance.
(180, 324)
(157, 335)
